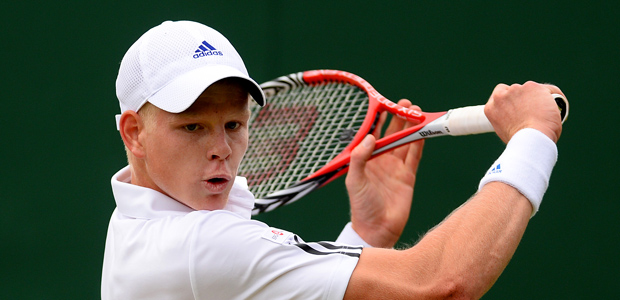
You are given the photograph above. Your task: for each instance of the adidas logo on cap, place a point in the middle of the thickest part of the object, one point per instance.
(205, 49)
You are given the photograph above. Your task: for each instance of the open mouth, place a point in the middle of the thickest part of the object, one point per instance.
(217, 180)
(216, 184)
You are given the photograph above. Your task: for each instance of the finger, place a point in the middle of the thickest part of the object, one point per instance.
(402, 152)
(543, 89)
(553, 89)
(501, 87)
(379, 126)
(397, 124)
(414, 155)
(500, 90)
(359, 157)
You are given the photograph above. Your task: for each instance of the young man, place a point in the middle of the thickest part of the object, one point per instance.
(182, 227)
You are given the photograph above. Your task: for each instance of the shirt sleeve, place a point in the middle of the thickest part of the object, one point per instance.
(349, 236)
(236, 258)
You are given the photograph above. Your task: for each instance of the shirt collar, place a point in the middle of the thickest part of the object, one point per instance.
(144, 203)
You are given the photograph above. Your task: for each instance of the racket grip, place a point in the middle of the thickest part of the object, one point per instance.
(467, 120)
(472, 120)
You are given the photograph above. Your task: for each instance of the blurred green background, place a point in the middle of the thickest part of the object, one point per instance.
(60, 147)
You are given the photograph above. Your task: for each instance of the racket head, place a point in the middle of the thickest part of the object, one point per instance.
(303, 136)
(310, 119)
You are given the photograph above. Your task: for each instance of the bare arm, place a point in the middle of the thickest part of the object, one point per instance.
(464, 255)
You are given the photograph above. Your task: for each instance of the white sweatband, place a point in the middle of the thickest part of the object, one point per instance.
(350, 237)
(526, 165)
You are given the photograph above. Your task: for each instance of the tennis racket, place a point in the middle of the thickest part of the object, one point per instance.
(303, 137)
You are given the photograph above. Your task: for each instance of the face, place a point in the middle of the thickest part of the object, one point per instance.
(193, 156)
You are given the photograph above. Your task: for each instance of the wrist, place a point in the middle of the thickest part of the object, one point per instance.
(375, 235)
(552, 135)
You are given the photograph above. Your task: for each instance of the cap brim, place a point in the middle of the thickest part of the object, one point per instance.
(181, 93)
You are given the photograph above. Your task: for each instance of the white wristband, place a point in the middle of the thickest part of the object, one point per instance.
(526, 165)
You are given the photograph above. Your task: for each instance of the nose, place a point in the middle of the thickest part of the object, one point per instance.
(218, 147)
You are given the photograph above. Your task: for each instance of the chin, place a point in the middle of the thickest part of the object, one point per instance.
(213, 202)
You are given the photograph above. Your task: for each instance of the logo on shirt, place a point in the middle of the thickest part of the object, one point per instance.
(205, 49)
(277, 236)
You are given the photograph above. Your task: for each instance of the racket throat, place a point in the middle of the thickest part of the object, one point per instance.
(434, 128)
(291, 194)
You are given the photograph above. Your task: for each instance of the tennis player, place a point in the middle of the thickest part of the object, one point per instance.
(182, 227)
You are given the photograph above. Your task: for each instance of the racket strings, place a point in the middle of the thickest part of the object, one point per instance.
(299, 131)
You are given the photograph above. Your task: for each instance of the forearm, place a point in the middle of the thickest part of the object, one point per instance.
(462, 256)
(477, 240)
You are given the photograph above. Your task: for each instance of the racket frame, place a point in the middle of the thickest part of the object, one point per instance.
(458, 121)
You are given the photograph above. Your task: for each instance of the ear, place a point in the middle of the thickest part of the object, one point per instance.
(131, 126)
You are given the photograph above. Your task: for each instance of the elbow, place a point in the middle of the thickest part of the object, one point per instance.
(455, 287)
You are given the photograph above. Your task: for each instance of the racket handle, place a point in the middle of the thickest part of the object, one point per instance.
(467, 120)
(472, 120)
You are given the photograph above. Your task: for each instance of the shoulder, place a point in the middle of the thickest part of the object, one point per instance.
(223, 227)
(248, 258)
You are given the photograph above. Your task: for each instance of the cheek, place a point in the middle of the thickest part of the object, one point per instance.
(239, 146)
(165, 155)
(159, 146)
(170, 167)
(242, 142)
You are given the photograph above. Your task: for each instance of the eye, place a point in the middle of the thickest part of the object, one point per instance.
(233, 125)
(191, 127)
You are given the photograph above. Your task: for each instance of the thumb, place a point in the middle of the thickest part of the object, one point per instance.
(359, 156)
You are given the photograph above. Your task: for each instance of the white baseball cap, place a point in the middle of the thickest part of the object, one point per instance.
(173, 63)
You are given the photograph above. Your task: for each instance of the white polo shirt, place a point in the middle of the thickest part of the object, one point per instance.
(158, 248)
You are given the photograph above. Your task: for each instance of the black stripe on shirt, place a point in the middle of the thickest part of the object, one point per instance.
(311, 250)
(334, 247)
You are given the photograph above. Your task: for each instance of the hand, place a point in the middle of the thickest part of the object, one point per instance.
(381, 190)
(512, 108)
